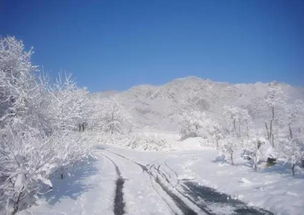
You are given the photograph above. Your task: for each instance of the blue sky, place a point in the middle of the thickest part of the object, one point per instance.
(109, 44)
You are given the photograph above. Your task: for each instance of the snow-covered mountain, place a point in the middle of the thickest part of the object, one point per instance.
(159, 107)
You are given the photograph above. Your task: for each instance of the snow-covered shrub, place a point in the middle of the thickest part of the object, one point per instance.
(26, 162)
(201, 124)
(148, 143)
(229, 145)
(111, 118)
(252, 149)
(192, 124)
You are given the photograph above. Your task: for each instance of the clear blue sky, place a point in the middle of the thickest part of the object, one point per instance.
(109, 44)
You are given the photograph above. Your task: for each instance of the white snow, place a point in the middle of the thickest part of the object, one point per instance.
(91, 189)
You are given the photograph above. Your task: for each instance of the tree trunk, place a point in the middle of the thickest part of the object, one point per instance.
(267, 131)
(271, 127)
(16, 206)
(62, 172)
(255, 163)
(290, 132)
(231, 158)
(293, 169)
(255, 167)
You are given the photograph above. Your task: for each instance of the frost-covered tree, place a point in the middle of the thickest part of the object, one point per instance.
(36, 128)
(291, 147)
(20, 93)
(292, 151)
(68, 108)
(235, 129)
(253, 148)
(215, 131)
(275, 100)
(110, 117)
(237, 120)
(192, 123)
(295, 118)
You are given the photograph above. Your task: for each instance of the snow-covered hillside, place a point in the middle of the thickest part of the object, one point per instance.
(160, 107)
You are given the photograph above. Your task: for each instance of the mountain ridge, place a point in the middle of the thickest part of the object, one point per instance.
(161, 106)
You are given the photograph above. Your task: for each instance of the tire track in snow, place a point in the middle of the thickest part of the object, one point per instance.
(201, 196)
(206, 194)
(162, 197)
(178, 201)
(189, 197)
(202, 206)
(119, 204)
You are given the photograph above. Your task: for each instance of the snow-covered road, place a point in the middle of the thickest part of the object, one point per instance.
(125, 182)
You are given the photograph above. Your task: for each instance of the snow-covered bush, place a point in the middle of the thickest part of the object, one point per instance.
(192, 124)
(148, 143)
(27, 162)
(25, 167)
(252, 149)
(111, 118)
(229, 145)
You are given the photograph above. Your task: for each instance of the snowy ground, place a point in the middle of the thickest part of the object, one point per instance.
(177, 181)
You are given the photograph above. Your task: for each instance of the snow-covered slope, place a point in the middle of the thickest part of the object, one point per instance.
(159, 107)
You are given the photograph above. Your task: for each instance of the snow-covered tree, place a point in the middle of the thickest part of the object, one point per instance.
(192, 123)
(275, 100)
(235, 129)
(21, 102)
(110, 117)
(215, 131)
(68, 108)
(229, 145)
(295, 118)
(292, 151)
(26, 163)
(36, 128)
(253, 148)
(291, 147)
(237, 120)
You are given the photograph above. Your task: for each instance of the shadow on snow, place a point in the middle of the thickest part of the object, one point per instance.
(207, 195)
(71, 185)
